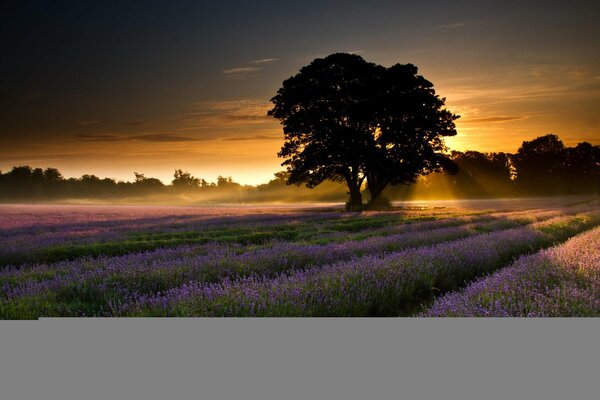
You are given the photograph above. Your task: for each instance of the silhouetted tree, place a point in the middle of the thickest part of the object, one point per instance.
(184, 180)
(146, 186)
(224, 181)
(345, 119)
(406, 138)
(539, 164)
(482, 174)
(19, 180)
(582, 168)
(139, 177)
(53, 175)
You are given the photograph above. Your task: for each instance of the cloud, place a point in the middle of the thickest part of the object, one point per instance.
(240, 70)
(491, 119)
(452, 26)
(248, 70)
(215, 114)
(48, 157)
(164, 137)
(91, 137)
(263, 61)
(150, 137)
(253, 137)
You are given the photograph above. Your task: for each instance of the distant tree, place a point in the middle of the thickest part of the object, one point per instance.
(282, 176)
(184, 180)
(37, 183)
(92, 186)
(37, 175)
(540, 164)
(53, 175)
(482, 174)
(146, 186)
(19, 180)
(351, 121)
(227, 182)
(582, 168)
(90, 179)
(139, 177)
(21, 174)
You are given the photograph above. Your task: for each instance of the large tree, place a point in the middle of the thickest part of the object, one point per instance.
(539, 164)
(408, 126)
(345, 119)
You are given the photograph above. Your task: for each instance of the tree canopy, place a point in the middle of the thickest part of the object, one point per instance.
(545, 166)
(184, 180)
(345, 119)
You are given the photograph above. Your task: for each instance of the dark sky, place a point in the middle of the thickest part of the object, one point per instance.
(112, 87)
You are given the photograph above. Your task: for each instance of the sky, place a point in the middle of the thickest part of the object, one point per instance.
(113, 87)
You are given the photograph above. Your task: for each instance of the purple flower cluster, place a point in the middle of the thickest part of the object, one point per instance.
(160, 269)
(25, 228)
(562, 281)
(370, 285)
(372, 264)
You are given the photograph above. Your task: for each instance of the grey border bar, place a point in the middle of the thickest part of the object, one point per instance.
(300, 359)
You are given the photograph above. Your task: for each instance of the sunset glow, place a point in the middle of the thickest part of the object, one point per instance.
(121, 89)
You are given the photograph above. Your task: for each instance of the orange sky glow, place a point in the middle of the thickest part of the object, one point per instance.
(195, 94)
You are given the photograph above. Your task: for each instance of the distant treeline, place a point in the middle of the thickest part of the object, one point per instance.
(543, 166)
(23, 183)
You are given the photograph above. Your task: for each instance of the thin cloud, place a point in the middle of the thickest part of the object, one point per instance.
(492, 119)
(240, 70)
(90, 137)
(253, 137)
(164, 137)
(151, 137)
(263, 61)
(452, 26)
(211, 114)
(50, 157)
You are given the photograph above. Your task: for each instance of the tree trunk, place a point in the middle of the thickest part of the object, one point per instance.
(354, 184)
(377, 201)
(355, 202)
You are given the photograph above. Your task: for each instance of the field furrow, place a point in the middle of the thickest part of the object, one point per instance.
(114, 261)
(368, 286)
(562, 281)
(93, 284)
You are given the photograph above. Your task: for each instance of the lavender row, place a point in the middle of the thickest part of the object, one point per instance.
(29, 239)
(31, 236)
(161, 269)
(187, 253)
(451, 220)
(562, 281)
(371, 285)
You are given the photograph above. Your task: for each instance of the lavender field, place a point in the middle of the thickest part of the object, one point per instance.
(535, 257)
